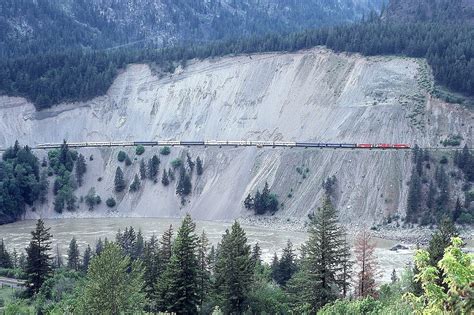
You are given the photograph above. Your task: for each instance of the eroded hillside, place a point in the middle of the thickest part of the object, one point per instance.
(310, 95)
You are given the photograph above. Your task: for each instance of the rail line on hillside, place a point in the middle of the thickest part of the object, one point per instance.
(238, 143)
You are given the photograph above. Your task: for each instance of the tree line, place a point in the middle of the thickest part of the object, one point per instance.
(78, 75)
(185, 274)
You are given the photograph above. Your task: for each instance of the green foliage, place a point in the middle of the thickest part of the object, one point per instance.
(179, 283)
(73, 255)
(457, 273)
(184, 186)
(452, 141)
(199, 167)
(119, 180)
(92, 199)
(176, 163)
(5, 257)
(20, 184)
(139, 150)
(128, 161)
(121, 156)
(38, 263)
(165, 151)
(142, 170)
(233, 271)
(262, 202)
(153, 167)
(110, 202)
(114, 284)
(135, 186)
(164, 179)
(81, 169)
(319, 278)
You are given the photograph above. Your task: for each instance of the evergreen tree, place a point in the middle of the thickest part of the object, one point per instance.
(199, 168)
(393, 276)
(164, 179)
(81, 169)
(119, 181)
(135, 186)
(73, 256)
(248, 202)
(86, 260)
(233, 271)
(5, 258)
(166, 246)
(114, 284)
(275, 268)
(414, 197)
(65, 157)
(153, 166)
(316, 283)
(184, 183)
(151, 261)
(256, 254)
(99, 247)
(171, 174)
(457, 210)
(345, 277)
(138, 246)
(204, 272)
(142, 170)
(181, 275)
(440, 240)
(190, 163)
(38, 263)
(287, 265)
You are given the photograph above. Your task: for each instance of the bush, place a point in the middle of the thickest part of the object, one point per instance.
(165, 151)
(176, 163)
(444, 160)
(111, 202)
(140, 150)
(128, 162)
(121, 156)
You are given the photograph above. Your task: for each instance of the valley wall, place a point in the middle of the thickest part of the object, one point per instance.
(309, 95)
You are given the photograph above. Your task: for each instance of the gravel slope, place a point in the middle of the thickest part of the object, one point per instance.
(308, 95)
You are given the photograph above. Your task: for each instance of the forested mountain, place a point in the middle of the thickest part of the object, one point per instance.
(440, 31)
(33, 26)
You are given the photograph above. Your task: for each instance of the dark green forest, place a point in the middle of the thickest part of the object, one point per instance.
(78, 75)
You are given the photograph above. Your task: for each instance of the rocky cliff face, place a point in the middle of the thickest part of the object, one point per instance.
(309, 95)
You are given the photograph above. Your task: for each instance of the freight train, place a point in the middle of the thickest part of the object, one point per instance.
(220, 143)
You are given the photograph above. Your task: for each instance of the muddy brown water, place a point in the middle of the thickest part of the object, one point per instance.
(88, 231)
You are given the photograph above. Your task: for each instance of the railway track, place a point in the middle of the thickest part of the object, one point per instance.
(245, 143)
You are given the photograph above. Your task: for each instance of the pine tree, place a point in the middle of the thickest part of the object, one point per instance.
(138, 246)
(99, 247)
(164, 179)
(114, 284)
(204, 272)
(287, 264)
(153, 166)
(345, 276)
(166, 246)
(275, 268)
(142, 170)
(65, 157)
(414, 197)
(181, 275)
(119, 180)
(322, 264)
(440, 240)
(233, 272)
(135, 186)
(190, 163)
(366, 263)
(5, 257)
(184, 183)
(256, 254)
(86, 260)
(171, 174)
(199, 168)
(151, 261)
(38, 263)
(73, 256)
(81, 169)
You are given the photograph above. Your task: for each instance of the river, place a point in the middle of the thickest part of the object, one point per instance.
(88, 231)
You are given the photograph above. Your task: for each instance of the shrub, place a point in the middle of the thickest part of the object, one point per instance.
(121, 156)
(140, 150)
(111, 202)
(176, 163)
(444, 160)
(165, 151)
(128, 162)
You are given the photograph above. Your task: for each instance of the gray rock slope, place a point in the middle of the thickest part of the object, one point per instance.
(309, 95)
